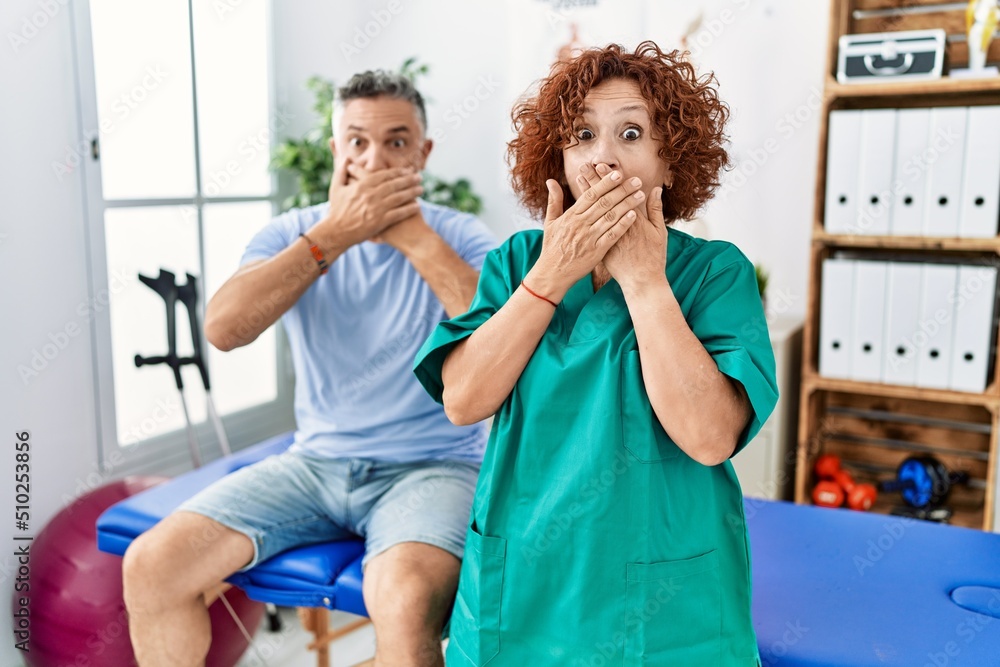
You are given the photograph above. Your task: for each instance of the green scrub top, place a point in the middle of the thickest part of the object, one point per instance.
(593, 539)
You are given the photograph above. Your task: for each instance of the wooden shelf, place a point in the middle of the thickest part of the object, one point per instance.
(907, 242)
(873, 426)
(987, 399)
(943, 86)
(966, 517)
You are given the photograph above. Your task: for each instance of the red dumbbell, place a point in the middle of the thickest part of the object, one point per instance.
(836, 485)
(827, 494)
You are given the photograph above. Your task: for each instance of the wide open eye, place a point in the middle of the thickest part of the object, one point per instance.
(584, 135)
(631, 134)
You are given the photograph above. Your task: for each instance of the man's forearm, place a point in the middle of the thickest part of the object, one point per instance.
(451, 279)
(260, 293)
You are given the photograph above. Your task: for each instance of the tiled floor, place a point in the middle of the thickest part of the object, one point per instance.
(287, 648)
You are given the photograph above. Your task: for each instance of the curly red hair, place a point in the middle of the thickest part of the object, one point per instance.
(686, 112)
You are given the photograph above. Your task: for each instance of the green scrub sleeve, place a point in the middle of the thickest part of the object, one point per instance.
(728, 318)
(492, 293)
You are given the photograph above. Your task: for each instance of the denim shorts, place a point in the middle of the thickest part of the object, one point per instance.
(291, 499)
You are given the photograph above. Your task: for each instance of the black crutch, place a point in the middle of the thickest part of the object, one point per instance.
(166, 286)
(188, 295)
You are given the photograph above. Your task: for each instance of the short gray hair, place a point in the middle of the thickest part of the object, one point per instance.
(376, 83)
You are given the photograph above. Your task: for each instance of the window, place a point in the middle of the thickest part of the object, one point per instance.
(175, 100)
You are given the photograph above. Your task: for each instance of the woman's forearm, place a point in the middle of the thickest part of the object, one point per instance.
(701, 409)
(481, 371)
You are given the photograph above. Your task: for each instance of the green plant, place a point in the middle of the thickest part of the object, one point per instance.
(311, 161)
(412, 70)
(309, 158)
(762, 279)
(457, 195)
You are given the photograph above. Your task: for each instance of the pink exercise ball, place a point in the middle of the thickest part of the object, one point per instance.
(77, 614)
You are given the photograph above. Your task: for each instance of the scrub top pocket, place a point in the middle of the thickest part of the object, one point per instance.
(673, 613)
(475, 620)
(642, 434)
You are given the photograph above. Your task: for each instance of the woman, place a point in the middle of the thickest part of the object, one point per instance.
(625, 362)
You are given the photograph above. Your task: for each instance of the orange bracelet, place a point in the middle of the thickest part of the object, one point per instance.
(317, 255)
(536, 294)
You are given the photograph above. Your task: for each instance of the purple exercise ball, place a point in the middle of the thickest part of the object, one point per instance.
(76, 611)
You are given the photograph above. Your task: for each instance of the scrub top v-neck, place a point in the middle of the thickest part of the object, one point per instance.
(593, 538)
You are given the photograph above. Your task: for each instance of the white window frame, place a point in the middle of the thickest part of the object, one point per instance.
(167, 453)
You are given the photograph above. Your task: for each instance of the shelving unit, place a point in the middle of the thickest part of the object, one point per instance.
(943, 86)
(874, 426)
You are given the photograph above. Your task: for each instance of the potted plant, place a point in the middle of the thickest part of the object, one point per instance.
(762, 279)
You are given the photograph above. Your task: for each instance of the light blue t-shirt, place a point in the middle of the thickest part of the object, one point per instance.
(354, 335)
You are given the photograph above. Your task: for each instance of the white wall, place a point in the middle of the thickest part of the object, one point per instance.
(770, 60)
(44, 277)
(769, 56)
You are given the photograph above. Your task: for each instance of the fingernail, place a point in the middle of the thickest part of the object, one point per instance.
(583, 168)
(616, 176)
(636, 182)
(639, 195)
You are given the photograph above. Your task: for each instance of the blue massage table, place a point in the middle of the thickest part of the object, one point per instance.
(830, 587)
(315, 578)
(839, 587)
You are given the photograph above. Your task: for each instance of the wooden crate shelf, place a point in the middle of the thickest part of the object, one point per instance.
(904, 89)
(987, 398)
(874, 432)
(872, 16)
(915, 243)
(873, 426)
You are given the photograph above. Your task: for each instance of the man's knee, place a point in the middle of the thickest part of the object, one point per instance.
(402, 593)
(146, 574)
(179, 559)
(411, 598)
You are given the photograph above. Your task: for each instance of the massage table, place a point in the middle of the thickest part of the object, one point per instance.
(840, 587)
(831, 587)
(316, 578)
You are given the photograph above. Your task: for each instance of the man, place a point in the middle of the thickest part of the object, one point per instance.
(359, 282)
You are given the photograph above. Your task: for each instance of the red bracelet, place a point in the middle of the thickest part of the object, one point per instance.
(317, 255)
(536, 294)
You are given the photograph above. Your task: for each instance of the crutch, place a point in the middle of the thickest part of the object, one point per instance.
(188, 295)
(166, 286)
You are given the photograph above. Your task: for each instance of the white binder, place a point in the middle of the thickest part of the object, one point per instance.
(945, 160)
(836, 315)
(981, 185)
(875, 167)
(973, 302)
(843, 152)
(933, 337)
(902, 314)
(913, 128)
(869, 321)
